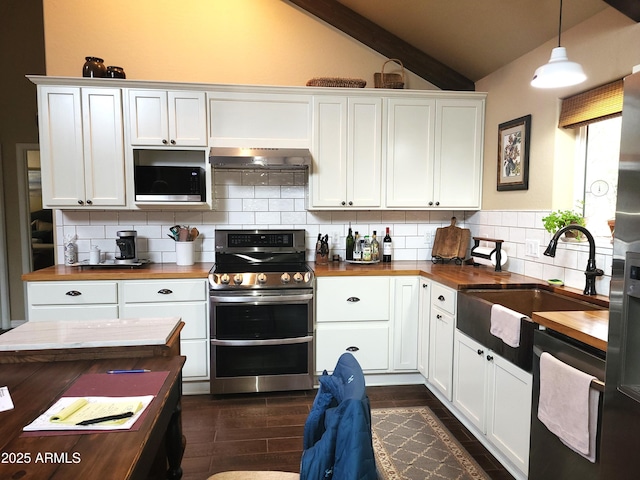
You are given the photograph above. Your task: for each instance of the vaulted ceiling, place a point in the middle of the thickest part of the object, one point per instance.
(454, 43)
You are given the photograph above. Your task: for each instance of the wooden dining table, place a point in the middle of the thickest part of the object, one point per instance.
(153, 449)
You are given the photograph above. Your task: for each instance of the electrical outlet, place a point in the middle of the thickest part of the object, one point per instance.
(532, 248)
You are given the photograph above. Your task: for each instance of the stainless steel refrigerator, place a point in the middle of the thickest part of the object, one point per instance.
(620, 436)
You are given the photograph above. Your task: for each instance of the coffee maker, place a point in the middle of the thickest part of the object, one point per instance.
(127, 242)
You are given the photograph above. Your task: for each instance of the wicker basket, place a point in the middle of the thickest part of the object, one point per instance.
(389, 80)
(336, 82)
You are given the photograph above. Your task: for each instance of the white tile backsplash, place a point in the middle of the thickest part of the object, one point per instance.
(277, 199)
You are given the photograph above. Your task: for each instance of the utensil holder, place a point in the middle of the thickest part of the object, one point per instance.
(184, 253)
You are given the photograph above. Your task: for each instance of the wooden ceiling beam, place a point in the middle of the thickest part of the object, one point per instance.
(630, 8)
(385, 43)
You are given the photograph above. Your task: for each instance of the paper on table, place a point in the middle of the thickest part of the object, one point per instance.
(67, 412)
(5, 399)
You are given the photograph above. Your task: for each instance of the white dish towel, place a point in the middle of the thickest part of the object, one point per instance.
(568, 406)
(505, 324)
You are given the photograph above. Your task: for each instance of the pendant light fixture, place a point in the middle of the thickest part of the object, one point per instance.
(559, 72)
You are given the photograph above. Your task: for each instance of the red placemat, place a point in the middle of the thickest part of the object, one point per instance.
(109, 385)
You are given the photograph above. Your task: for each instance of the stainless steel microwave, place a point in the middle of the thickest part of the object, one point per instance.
(169, 184)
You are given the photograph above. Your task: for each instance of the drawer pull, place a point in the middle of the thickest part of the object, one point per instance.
(165, 291)
(353, 299)
(352, 349)
(480, 352)
(441, 298)
(73, 293)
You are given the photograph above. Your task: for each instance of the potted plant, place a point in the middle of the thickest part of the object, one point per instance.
(561, 218)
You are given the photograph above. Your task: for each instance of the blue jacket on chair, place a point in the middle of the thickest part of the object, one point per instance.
(337, 434)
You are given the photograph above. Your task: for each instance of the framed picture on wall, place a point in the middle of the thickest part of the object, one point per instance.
(513, 154)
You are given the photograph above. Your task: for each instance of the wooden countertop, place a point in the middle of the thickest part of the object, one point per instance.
(145, 272)
(459, 277)
(590, 327)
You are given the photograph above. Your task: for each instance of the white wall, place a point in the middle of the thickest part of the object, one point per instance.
(606, 46)
(262, 42)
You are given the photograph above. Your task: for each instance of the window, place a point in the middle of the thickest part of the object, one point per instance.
(598, 152)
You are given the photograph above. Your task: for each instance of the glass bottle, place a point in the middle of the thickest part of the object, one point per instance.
(386, 247)
(375, 248)
(350, 241)
(366, 249)
(357, 252)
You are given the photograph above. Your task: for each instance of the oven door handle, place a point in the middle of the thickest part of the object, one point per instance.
(257, 343)
(262, 299)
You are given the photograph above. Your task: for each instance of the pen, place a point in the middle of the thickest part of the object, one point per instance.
(91, 421)
(143, 370)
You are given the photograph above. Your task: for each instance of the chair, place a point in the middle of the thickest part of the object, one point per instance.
(337, 433)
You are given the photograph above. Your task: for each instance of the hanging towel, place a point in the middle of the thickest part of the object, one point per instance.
(568, 406)
(505, 324)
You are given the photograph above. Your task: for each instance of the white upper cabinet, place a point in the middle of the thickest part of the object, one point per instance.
(263, 120)
(167, 118)
(81, 145)
(410, 152)
(434, 153)
(458, 153)
(347, 152)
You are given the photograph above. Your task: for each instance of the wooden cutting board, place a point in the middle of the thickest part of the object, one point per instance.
(451, 242)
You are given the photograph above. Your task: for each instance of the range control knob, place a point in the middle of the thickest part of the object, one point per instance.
(262, 278)
(297, 277)
(285, 277)
(237, 278)
(224, 278)
(307, 277)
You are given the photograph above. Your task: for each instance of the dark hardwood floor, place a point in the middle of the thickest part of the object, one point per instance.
(264, 431)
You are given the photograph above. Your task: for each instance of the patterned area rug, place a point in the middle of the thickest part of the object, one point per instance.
(412, 444)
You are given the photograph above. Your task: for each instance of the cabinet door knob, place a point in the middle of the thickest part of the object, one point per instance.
(480, 352)
(438, 316)
(89, 202)
(164, 141)
(441, 298)
(80, 202)
(353, 299)
(425, 285)
(430, 203)
(437, 203)
(343, 203)
(490, 358)
(165, 291)
(350, 204)
(352, 349)
(173, 142)
(73, 293)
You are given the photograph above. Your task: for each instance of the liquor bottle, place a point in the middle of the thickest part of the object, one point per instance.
(350, 241)
(357, 252)
(366, 249)
(375, 248)
(386, 247)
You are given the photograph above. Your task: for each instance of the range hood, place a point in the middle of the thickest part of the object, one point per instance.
(283, 158)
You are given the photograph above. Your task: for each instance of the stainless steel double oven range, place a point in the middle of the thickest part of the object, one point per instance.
(261, 306)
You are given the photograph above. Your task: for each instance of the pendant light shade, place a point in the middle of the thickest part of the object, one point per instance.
(559, 72)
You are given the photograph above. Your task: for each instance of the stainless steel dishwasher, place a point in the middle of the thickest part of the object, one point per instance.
(549, 457)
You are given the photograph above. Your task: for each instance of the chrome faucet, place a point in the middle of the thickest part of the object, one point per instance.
(591, 272)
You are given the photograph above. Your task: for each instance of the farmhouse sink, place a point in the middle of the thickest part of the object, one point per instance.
(474, 316)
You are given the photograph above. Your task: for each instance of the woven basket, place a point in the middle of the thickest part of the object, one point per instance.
(389, 80)
(336, 82)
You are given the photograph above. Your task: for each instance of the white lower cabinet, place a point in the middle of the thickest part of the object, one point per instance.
(353, 313)
(424, 315)
(103, 300)
(187, 299)
(72, 300)
(495, 396)
(405, 324)
(442, 324)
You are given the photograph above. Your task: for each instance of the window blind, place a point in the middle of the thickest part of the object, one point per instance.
(592, 106)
